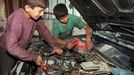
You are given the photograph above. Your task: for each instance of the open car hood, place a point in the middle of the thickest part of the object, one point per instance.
(112, 22)
(114, 13)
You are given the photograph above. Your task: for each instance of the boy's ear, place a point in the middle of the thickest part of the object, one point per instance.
(27, 8)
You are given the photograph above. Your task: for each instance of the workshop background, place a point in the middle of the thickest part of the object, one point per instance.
(112, 22)
(8, 6)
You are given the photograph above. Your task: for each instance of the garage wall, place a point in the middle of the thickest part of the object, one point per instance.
(11, 5)
(52, 3)
(49, 17)
(2, 14)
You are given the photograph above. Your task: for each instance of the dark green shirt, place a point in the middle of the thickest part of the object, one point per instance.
(62, 31)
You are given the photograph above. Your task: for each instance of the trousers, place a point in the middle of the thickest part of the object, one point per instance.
(6, 62)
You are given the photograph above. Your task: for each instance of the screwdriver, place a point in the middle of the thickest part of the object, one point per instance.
(43, 66)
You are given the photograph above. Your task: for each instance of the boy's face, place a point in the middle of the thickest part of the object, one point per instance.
(64, 19)
(36, 12)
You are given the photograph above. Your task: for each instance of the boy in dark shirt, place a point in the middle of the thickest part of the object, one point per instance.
(18, 33)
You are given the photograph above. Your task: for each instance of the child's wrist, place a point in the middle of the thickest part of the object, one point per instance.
(66, 44)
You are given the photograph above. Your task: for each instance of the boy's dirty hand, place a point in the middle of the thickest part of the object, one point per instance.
(70, 45)
(57, 50)
(39, 60)
(73, 43)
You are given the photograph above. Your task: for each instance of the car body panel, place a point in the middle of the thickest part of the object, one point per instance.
(113, 25)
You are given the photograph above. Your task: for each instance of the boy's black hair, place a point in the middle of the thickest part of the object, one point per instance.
(36, 3)
(60, 10)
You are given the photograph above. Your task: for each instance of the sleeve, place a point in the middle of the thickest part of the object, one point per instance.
(12, 41)
(45, 33)
(55, 30)
(79, 23)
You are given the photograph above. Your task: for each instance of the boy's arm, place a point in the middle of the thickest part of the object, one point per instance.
(13, 35)
(89, 43)
(60, 42)
(64, 43)
(45, 33)
(80, 24)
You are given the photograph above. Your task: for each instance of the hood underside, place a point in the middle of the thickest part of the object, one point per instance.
(107, 14)
(114, 17)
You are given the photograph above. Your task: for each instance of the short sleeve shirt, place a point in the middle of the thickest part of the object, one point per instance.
(62, 31)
